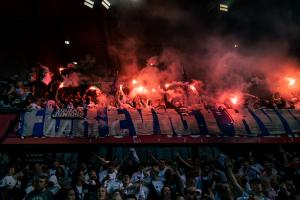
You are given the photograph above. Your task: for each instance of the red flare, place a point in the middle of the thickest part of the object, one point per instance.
(291, 81)
(93, 88)
(234, 100)
(193, 88)
(134, 82)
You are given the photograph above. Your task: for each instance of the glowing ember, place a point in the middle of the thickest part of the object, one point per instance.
(140, 89)
(61, 85)
(167, 85)
(193, 88)
(121, 87)
(60, 69)
(134, 82)
(93, 88)
(234, 100)
(291, 81)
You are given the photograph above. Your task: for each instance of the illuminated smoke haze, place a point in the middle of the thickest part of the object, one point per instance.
(258, 64)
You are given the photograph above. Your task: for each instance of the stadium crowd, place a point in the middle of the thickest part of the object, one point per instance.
(43, 87)
(249, 176)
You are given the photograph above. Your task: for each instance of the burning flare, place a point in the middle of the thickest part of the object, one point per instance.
(61, 85)
(61, 69)
(291, 81)
(234, 100)
(134, 82)
(193, 88)
(93, 88)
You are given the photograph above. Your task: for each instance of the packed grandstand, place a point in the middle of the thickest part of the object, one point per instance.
(212, 174)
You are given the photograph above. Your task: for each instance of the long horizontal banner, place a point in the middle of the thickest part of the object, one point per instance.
(101, 122)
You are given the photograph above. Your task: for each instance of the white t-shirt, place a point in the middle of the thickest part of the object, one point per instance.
(104, 173)
(9, 181)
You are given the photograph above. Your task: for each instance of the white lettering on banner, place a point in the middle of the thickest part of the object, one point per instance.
(164, 122)
(52, 129)
(271, 121)
(177, 123)
(252, 123)
(50, 126)
(237, 118)
(211, 122)
(192, 124)
(68, 113)
(136, 119)
(143, 124)
(146, 128)
(30, 119)
(290, 119)
(92, 123)
(114, 121)
(78, 127)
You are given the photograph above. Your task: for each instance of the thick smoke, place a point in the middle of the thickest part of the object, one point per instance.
(224, 62)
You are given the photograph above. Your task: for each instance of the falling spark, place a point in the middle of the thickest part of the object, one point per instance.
(291, 81)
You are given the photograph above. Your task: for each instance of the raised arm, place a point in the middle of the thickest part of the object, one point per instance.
(102, 160)
(179, 158)
(232, 178)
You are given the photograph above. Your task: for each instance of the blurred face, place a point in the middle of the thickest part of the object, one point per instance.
(268, 166)
(110, 168)
(167, 192)
(126, 179)
(190, 194)
(93, 175)
(101, 193)
(256, 187)
(296, 162)
(41, 184)
(246, 163)
(161, 164)
(290, 186)
(71, 195)
(11, 171)
(117, 196)
(59, 172)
